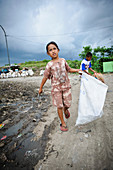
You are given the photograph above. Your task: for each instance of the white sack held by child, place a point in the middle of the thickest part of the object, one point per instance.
(91, 99)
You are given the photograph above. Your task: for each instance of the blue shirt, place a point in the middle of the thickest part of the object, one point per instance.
(85, 64)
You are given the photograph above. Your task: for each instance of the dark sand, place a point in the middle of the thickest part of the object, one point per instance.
(42, 146)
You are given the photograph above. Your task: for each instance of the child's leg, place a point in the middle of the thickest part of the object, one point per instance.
(67, 102)
(66, 112)
(60, 113)
(65, 109)
(57, 101)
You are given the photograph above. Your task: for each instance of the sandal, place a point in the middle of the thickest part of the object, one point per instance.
(67, 114)
(63, 128)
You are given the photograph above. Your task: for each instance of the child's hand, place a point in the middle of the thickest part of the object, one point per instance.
(80, 71)
(40, 91)
(95, 74)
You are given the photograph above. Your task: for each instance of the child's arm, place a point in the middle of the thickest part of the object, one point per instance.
(42, 84)
(87, 72)
(72, 70)
(92, 70)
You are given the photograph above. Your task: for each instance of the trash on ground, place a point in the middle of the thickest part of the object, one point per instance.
(4, 137)
(2, 125)
(19, 135)
(34, 120)
(81, 139)
(1, 145)
(86, 135)
(28, 153)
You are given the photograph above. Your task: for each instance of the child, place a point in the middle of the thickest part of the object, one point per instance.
(86, 64)
(57, 70)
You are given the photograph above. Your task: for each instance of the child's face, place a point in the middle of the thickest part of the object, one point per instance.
(88, 58)
(53, 51)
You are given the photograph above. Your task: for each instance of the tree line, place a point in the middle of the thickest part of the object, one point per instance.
(99, 55)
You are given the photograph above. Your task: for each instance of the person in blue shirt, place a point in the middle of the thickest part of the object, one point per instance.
(86, 64)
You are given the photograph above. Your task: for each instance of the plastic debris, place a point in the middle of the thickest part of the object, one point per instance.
(41, 72)
(81, 139)
(4, 137)
(34, 120)
(28, 153)
(87, 131)
(1, 144)
(19, 135)
(2, 125)
(86, 135)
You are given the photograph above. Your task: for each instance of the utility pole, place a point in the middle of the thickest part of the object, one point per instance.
(111, 47)
(6, 43)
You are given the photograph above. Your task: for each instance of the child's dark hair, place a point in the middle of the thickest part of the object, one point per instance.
(89, 54)
(52, 42)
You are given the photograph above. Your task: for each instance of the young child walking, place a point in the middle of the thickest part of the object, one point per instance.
(57, 70)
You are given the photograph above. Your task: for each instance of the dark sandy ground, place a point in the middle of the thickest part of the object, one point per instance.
(21, 110)
(34, 139)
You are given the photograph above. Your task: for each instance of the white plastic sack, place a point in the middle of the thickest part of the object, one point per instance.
(30, 72)
(91, 99)
(41, 72)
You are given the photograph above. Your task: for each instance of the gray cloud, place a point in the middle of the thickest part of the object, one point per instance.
(48, 20)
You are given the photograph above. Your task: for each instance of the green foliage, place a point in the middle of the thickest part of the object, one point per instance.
(46, 61)
(85, 51)
(34, 69)
(97, 66)
(74, 64)
(98, 56)
(94, 59)
(36, 64)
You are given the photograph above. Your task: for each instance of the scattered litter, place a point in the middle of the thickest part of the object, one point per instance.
(43, 120)
(98, 144)
(28, 153)
(16, 73)
(78, 130)
(2, 125)
(41, 72)
(40, 167)
(3, 157)
(86, 135)
(38, 96)
(4, 137)
(1, 145)
(87, 131)
(34, 120)
(19, 135)
(6, 121)
(81, 139)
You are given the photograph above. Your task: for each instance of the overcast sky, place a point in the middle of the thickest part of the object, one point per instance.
(31, 24)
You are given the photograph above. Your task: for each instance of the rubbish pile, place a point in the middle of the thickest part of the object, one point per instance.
(9, 73)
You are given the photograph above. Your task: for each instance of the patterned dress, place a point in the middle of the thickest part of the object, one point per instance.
(57, 71)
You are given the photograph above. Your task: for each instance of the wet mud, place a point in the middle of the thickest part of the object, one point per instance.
(21, 109)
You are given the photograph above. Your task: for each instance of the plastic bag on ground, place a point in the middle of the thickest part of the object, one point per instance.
(91, 99)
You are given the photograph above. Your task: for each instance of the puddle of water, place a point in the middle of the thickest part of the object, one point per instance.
(30, 152)
(13, 130)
